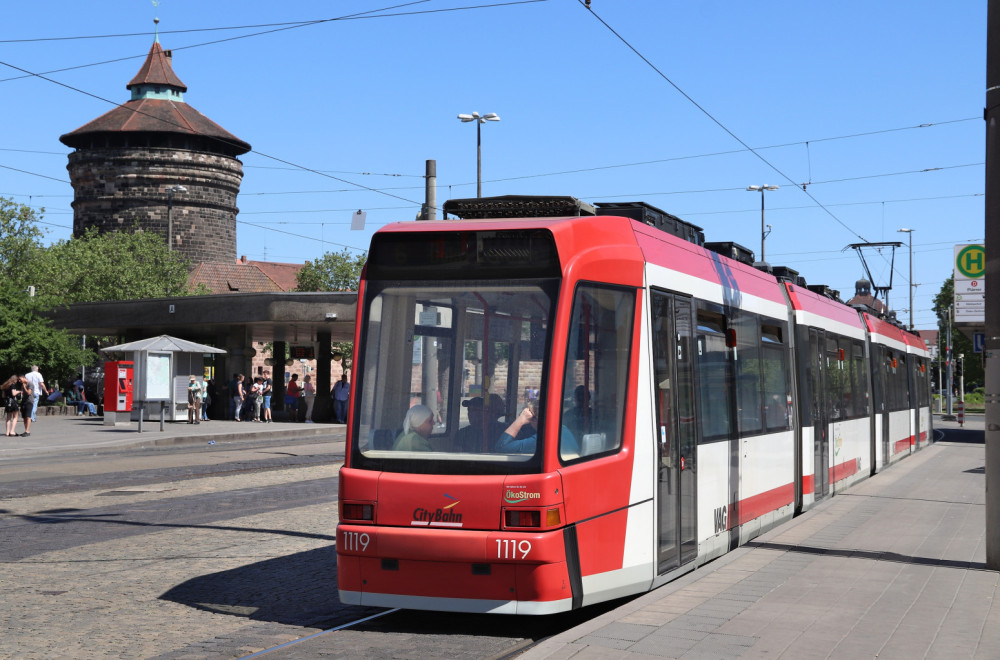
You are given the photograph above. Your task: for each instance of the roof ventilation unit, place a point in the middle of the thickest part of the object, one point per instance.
(733, 251)
(654, 217)
(824, 290)
(786, 274)
(517, 206)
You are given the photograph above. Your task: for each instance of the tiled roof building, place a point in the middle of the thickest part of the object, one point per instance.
(245, 276)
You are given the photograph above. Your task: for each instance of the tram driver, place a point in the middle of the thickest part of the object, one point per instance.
(483, 428)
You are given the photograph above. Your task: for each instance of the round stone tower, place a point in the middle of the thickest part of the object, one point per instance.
(157, 164)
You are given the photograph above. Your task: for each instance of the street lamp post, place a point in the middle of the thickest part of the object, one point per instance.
(910, 232)
(480, 120)
(170, 214)
(763, 232)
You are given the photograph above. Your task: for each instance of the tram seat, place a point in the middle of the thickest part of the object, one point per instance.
(382, 438)
(592, 443)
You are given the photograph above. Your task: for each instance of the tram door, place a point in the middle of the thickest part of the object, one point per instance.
(821, 440)
(676, 428)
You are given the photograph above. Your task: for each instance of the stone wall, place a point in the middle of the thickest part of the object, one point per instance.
(117, 187)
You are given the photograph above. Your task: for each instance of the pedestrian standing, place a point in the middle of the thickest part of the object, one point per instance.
(38, 388)
(257, 396)
(341, 395)
(25, 405)
(10, 390)
(237, 393)
(205, 400)
(309, 396)
(268, 389)
(194, 401)
(292, 393)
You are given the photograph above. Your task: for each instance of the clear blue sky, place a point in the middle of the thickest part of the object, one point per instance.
(829, 94)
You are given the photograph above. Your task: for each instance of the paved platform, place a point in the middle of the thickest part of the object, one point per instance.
(73, 434)
(893, 568)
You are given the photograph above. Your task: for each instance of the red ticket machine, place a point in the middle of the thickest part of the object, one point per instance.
(118, 386)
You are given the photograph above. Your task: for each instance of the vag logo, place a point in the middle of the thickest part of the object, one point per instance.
(721, 519)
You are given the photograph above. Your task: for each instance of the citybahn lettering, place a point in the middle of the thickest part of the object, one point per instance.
(423, 516)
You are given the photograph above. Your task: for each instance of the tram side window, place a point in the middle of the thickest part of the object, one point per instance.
(596, 376)
(713, 383)
(860, 396)
(899, 391)
(774, 366)
(837, 378)
(748, 375)
(923, 382)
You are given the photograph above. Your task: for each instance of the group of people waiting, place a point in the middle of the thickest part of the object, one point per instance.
(250, 400)
(20, 398)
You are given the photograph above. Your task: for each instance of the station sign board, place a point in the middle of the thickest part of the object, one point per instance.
(970, 283)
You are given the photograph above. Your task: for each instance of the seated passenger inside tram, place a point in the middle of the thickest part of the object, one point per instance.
(483, 429)
(510, 443)
(417, 427)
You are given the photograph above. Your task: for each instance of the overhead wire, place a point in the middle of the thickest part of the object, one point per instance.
(716, 121)
(358, 16)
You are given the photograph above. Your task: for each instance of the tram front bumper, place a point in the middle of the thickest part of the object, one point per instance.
(453, 570)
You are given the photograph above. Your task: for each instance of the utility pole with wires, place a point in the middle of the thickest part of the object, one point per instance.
(992, 246)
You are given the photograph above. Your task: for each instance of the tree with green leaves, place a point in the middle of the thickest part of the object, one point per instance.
(122, 265)
(26, 338)
(334, 271)
(960, 344)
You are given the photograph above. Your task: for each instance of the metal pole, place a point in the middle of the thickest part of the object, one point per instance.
(170, 219)
(911, 280)
(763, 234)
(992, 247)
(430, 191)
(950, 365)
(479, 157)
(961, 377)
(940, 380)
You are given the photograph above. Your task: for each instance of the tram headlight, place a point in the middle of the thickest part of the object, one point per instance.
(360, 511)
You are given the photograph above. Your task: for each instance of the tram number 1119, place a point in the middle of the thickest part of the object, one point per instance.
(355, 541)
(513, 549)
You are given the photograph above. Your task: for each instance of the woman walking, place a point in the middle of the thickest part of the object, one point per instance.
(11, 392)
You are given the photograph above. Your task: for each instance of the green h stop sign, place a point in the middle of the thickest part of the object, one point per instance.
(971, 261)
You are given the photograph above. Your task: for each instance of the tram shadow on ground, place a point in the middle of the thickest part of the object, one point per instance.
(299, 590)
(440, 625)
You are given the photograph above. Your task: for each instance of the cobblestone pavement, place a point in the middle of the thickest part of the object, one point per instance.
(202, 567)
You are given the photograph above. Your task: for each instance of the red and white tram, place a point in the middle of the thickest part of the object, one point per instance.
(680, 403)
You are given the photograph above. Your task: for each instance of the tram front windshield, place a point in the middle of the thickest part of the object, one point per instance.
(445, 369)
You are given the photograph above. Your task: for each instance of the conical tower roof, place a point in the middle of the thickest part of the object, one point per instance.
(157, 70)
(157, 107)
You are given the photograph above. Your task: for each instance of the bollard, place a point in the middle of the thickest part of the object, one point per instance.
(960, 410)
